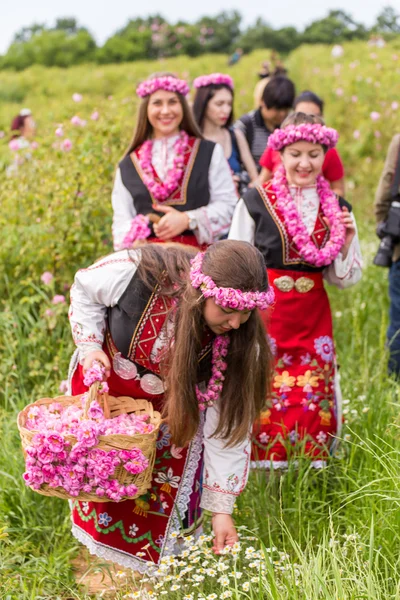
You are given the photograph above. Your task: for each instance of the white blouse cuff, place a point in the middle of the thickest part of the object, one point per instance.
(85, 349)
(344, 266)
(217, 502)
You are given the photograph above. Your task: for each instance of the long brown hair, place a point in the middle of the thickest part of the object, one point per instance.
(143, 129)
(230, 264)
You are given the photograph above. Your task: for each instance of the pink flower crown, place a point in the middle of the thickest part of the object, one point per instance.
(167, 83)
(308, 132)
(227, 297)
(213, 79)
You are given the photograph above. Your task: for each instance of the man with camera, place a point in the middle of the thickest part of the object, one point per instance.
(387, 212)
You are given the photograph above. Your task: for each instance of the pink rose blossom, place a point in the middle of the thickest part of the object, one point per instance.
(47, 277)
(63, 388)
(14, 145)
(78, 121)
(66, 145)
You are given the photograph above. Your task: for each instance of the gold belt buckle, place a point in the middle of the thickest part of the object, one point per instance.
(284, 283)
(304, 284)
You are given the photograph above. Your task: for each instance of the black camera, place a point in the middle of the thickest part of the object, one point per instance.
(243, 182)
(389, 233)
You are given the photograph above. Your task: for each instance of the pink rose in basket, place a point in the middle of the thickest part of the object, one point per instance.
(87, 433)
(55, 442)
(45, 455)
(95, 411)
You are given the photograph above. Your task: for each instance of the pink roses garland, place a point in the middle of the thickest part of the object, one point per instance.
(296, 228)
(167, 83)
(139, 230)
(162, 190)
(213, 79)
(315, 133)
(214, 388)
(227, 297)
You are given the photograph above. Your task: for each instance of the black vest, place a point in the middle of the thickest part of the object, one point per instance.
(194, 189)
(269, 237)
(125, 322)
(125, 316)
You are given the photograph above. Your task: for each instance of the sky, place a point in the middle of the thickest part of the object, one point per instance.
(103, 18)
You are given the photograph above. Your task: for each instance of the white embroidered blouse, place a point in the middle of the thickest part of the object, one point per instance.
(101, 286)
(213, 220)
(342, 273)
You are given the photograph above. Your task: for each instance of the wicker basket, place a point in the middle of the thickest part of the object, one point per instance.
(112, 407)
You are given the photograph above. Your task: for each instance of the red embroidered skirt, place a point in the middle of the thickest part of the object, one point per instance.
(118, 531)
(301, 416)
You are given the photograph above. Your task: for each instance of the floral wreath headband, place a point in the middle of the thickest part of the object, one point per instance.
(213, 79)
(308, 132)
(227, 297)
(167, 83)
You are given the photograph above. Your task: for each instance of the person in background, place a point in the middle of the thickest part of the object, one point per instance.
(332, 169)
(172, 185)
(23, 129)
(256, 126)
(236, 56)
(384, 197)
(307, 235)
(213, 111)
(269, 69)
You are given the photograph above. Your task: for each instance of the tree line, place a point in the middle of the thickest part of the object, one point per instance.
(67, 43)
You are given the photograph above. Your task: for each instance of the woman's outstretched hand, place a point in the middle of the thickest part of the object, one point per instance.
(100, 356)
(224, 531)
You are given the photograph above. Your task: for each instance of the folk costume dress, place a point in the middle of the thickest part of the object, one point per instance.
(111, 309)
(303, 413)
(206, 191)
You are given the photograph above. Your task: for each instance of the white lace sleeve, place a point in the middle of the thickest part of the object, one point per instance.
(95, 289)
(344, 273)
(225, 469)
(243, 225)
(214, 220)
(123, 211)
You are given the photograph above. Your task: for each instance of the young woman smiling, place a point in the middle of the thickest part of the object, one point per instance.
(213, 111)
(171, 184)
(332, 169)
(307, 235)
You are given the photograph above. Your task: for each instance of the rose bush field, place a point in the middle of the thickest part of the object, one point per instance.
(332, 534)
